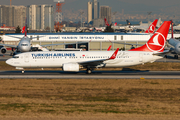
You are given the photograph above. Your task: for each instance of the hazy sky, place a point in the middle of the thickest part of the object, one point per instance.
(129, 6)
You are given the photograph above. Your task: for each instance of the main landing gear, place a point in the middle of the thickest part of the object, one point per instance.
(89, 71)
(176, 56)
(12, 52)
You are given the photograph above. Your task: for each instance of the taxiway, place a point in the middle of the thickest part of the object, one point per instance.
(94, 75)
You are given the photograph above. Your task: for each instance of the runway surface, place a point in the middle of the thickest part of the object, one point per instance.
(94, 75)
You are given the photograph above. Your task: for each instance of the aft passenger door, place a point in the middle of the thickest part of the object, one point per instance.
(140, 57)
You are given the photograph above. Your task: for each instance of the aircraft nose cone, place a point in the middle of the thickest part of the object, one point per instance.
(9, 62)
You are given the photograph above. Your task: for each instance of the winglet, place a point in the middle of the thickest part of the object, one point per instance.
(114, 54)
(109, 48)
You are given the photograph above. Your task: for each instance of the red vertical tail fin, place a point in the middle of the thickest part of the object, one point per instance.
(115, 24)
(152, 27)
(23, 29)
(157, 41)
(106, 22)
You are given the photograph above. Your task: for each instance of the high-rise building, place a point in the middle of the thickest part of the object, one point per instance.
(7, 18)
(105, 12)
(48, 17)
(95, 10)
(19, 16)
(31, 16)
(40, 17)
(89, 11)
(12, 15)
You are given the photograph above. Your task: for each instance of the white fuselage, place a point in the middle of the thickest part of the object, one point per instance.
(53, 59)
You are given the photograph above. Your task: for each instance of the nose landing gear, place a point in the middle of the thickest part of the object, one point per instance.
(176, 56)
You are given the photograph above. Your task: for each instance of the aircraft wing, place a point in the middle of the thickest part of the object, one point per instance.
(6, 45)
(15, 37)
(141, 27)
(98, 62)
(48, 45)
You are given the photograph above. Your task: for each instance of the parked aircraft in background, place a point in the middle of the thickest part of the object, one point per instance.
(174, 43)
(76, 60)
(25, 44)
(152, 27)
(102, 29)
(137, 28)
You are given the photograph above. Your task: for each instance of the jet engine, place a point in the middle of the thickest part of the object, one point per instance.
(177, 48)
(3, 50)
(73, 67)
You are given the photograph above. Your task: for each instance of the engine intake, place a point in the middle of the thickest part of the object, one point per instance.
(3, 50)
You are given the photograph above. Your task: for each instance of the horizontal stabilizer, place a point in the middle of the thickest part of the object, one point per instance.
(162, 53)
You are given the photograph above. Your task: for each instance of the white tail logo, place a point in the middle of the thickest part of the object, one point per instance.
(155, 41)
(151, 28)
(154, 44)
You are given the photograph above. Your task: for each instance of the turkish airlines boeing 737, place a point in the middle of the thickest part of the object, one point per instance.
(75, 60)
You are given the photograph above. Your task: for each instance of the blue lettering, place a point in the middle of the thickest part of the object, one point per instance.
(54, 55)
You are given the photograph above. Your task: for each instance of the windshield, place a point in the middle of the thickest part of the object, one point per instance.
(16, 57)
(24, 44)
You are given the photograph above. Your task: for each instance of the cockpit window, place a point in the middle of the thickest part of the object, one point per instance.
(24, 44)
(16, 57)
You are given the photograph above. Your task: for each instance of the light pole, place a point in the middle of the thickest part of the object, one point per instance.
(81, 17)
(149, 13)
(114, 17)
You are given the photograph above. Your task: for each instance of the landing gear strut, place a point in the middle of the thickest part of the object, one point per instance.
(12, 53)
(89, 71)
(176, 56)
(22, 71)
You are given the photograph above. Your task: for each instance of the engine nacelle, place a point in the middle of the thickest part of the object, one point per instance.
(73, 67)
(177, 48)
(3, 50)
